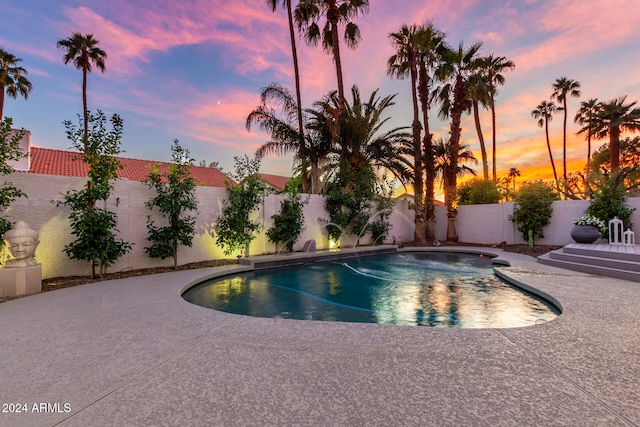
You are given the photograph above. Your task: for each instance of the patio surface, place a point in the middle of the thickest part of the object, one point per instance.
(132, 352)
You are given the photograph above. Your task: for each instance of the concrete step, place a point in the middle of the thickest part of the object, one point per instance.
(584, 266)
(595, 260)
(616, 252)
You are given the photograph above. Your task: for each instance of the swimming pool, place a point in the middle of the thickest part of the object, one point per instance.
(440, 289)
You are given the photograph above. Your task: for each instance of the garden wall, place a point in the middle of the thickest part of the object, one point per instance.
(481, 224)
(128, 202)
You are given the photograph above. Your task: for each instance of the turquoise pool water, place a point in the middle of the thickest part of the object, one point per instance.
(423, 288)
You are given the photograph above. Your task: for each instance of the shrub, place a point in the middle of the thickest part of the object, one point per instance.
(175, 197)
(532, 208)
(289, 223)
(478, 192)
(10, 151)
(609, 200)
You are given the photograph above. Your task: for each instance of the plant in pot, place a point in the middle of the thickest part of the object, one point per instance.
(587, 229)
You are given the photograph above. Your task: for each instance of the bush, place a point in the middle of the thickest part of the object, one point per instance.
(478, 192)
(289, 223)
(532, 208)
(609, 200)
(10, 143)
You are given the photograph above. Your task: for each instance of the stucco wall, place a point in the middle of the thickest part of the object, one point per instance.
(483, 224)
(128, 202)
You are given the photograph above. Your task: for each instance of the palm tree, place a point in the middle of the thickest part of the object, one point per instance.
(544, 113)
(13, 79)
(457, 67)
(585, 117)
(283, 129)
(309, 12)
(430, 49)
(561, 88)
(513, 173)
(83, 51)
(612, 119)
(444, 166)
(494, 66)
(296, 73)
(478, 92)
(402, 63)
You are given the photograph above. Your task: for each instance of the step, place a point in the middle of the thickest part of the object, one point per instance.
(597, 261)
(617, 252)
(591, 269)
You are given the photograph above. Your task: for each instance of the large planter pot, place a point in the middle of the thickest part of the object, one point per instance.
(585, 233)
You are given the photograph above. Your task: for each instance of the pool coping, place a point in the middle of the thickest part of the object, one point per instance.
(127, 352)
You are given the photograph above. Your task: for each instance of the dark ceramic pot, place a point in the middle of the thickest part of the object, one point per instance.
(585, 233)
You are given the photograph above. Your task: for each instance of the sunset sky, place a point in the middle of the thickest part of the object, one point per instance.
(193, 69)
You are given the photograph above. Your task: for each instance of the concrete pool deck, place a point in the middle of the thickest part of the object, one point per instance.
(133, 352)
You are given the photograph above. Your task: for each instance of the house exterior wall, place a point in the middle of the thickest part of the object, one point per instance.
(481, 224)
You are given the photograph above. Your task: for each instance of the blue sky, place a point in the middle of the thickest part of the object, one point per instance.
(193, 70)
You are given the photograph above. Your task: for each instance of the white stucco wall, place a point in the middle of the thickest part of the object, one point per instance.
(482, 224)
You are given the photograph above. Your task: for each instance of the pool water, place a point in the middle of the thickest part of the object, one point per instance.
(423, 288)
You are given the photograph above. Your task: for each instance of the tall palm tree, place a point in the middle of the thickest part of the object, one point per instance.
(494, 66)
(402, 63)
(307, 15)
(431, 47)
(13, 79)
(544, 113)
(478, 92)
(296, 74)
(561, 88)
(84, 52)
(613, 118)
(457, 67)
(585, 117)
(513, 173)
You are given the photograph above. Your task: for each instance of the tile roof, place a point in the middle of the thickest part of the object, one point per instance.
(68, 163)
(276, 181)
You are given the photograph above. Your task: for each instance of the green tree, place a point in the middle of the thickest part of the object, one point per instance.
(561, 88)
(544, 113)
(613, 118)
(84, 52)
(234, 228)
(532, 208)
(609, 200)
(13, 80)
(9, 152)
(402, 63)
(478, 192)
(175, 198)
(513, 174)
(288, 224)
(457, 67)
(308, 14)
(93, 227)
(296, 75)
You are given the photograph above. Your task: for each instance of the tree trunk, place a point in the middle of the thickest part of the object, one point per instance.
(493, 133)
(84, 106)
(332, 16)
(430, 213)
(483, 150)
(564, 142)
(553, 165)
(419, 229)
(1, 102)
(460, 104)
(296, 73)
(614, 147)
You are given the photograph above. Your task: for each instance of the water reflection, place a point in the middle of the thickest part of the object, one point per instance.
(427, 289)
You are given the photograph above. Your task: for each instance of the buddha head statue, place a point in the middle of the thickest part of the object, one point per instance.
(22, 245)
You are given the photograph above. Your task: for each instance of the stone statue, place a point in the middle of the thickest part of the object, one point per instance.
(22, 245)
